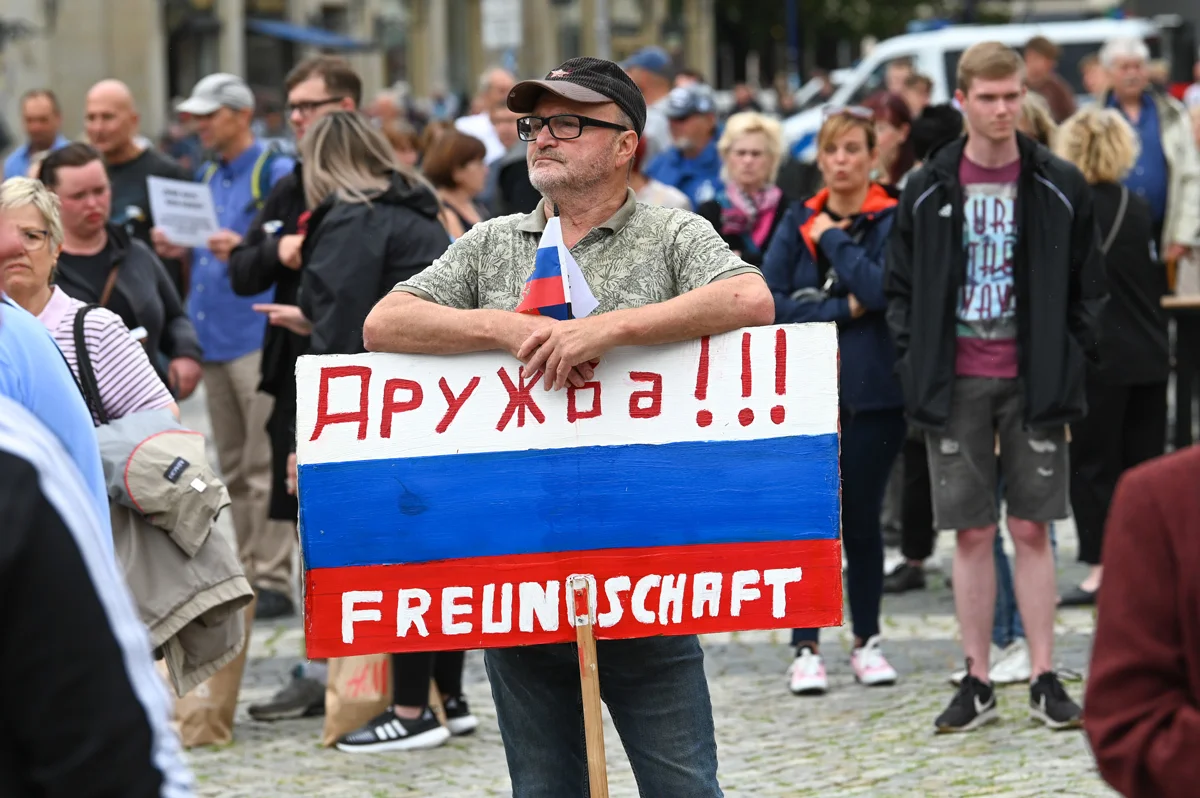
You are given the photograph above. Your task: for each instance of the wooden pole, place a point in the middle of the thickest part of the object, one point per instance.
(583, 604)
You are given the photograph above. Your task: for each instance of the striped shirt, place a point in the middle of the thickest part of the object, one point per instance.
(124, 375)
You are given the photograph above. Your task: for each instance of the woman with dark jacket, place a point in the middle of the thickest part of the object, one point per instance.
(826, 264)
(100, 263)
(1127, 389)
(373, 224)
(748, 210)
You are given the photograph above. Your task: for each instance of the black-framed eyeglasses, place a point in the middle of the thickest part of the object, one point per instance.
(308, 106)
(856, 111)
(563, 127)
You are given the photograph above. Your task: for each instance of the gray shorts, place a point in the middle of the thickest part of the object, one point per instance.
(963, 459)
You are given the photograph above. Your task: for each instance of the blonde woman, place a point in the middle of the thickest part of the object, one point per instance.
(1127, 388)
(750, 207)
(125, 381)
(1036, 120)
(374, 223)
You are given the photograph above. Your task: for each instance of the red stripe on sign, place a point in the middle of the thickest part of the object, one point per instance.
(519, 600)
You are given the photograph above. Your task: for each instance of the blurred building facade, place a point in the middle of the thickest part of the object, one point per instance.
(162, 47)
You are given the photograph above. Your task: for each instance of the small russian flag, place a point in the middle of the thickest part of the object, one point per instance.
(557, 287)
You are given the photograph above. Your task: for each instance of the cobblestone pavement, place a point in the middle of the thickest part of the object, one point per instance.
(852, 742)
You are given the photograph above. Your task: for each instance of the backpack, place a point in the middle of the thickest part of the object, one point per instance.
(260, 177)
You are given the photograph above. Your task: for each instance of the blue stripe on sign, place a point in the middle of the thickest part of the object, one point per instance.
(385, 512)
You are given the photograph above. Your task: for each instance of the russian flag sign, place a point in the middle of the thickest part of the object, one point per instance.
(446, 501)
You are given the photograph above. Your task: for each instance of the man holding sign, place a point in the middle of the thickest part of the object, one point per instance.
(657, 276)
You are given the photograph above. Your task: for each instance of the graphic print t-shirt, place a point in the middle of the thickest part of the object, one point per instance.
(987, 304)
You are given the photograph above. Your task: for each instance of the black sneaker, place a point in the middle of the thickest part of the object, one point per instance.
(904, 578)
(974, 705)
(387, 732)
(299, 698)
(459, 719)
(273, 604)
(1050, 704)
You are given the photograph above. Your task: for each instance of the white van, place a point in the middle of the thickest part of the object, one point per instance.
(935, 53)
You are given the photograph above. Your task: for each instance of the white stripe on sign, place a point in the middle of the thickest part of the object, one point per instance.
(752, 384)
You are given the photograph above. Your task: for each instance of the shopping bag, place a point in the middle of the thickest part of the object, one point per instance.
(205, 715)
(358, 689)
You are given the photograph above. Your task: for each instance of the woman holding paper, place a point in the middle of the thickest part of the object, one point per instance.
(826, 264)
(374, 223)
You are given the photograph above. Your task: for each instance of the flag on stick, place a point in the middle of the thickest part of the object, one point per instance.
(557, 287)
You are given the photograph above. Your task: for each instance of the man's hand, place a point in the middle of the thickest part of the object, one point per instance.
(823, 223)
(1175, 252)
(183, 375)
(566, 350)
(291, 478)
(289, 250)
(287, 316)
(222, 242)
(164, 247)
(857, 309)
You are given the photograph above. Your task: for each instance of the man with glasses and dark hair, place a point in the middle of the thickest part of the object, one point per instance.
(269, 257)
(660, 275)
(692, 164)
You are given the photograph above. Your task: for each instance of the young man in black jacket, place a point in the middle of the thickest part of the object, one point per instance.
(995, 280)
(268, 256)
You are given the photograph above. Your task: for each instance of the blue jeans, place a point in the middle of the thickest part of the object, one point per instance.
(871, 439)
(1007, 626)
(656, 692)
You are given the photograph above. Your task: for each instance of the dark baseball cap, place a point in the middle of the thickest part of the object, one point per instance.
(685, 101)
(584, 80)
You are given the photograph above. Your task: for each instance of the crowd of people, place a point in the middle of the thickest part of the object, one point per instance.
(995, 267)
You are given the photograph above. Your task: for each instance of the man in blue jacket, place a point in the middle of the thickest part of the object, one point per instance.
(693, 164)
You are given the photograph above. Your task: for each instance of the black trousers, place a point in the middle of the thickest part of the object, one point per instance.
(917, 533)
(1125, 425)
(411, 674)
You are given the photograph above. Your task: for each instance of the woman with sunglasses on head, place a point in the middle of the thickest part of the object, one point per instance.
(373, 223)
(826, 264)
(126, 382)
(747, 211)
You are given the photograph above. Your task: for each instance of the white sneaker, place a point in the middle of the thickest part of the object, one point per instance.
(806, 676)
(870, 666)
(994, 657)
(1013, 665)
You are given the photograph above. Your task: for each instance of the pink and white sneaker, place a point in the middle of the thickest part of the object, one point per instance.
(806, 676)
(870, 666)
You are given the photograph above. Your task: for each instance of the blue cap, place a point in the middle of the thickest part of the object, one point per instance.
(685, 101)
(651, 59)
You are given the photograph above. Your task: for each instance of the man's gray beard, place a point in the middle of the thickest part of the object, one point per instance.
(578, 182)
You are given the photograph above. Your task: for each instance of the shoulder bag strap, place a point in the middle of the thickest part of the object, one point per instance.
(109, 284)
(1116, 226)
(87, 376)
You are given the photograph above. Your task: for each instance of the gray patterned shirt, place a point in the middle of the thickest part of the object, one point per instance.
(639, 256)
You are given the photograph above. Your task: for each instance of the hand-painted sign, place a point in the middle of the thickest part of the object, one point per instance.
(445, 501)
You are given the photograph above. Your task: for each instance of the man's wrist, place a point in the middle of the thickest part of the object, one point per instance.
(494, 328)
(622, 327)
